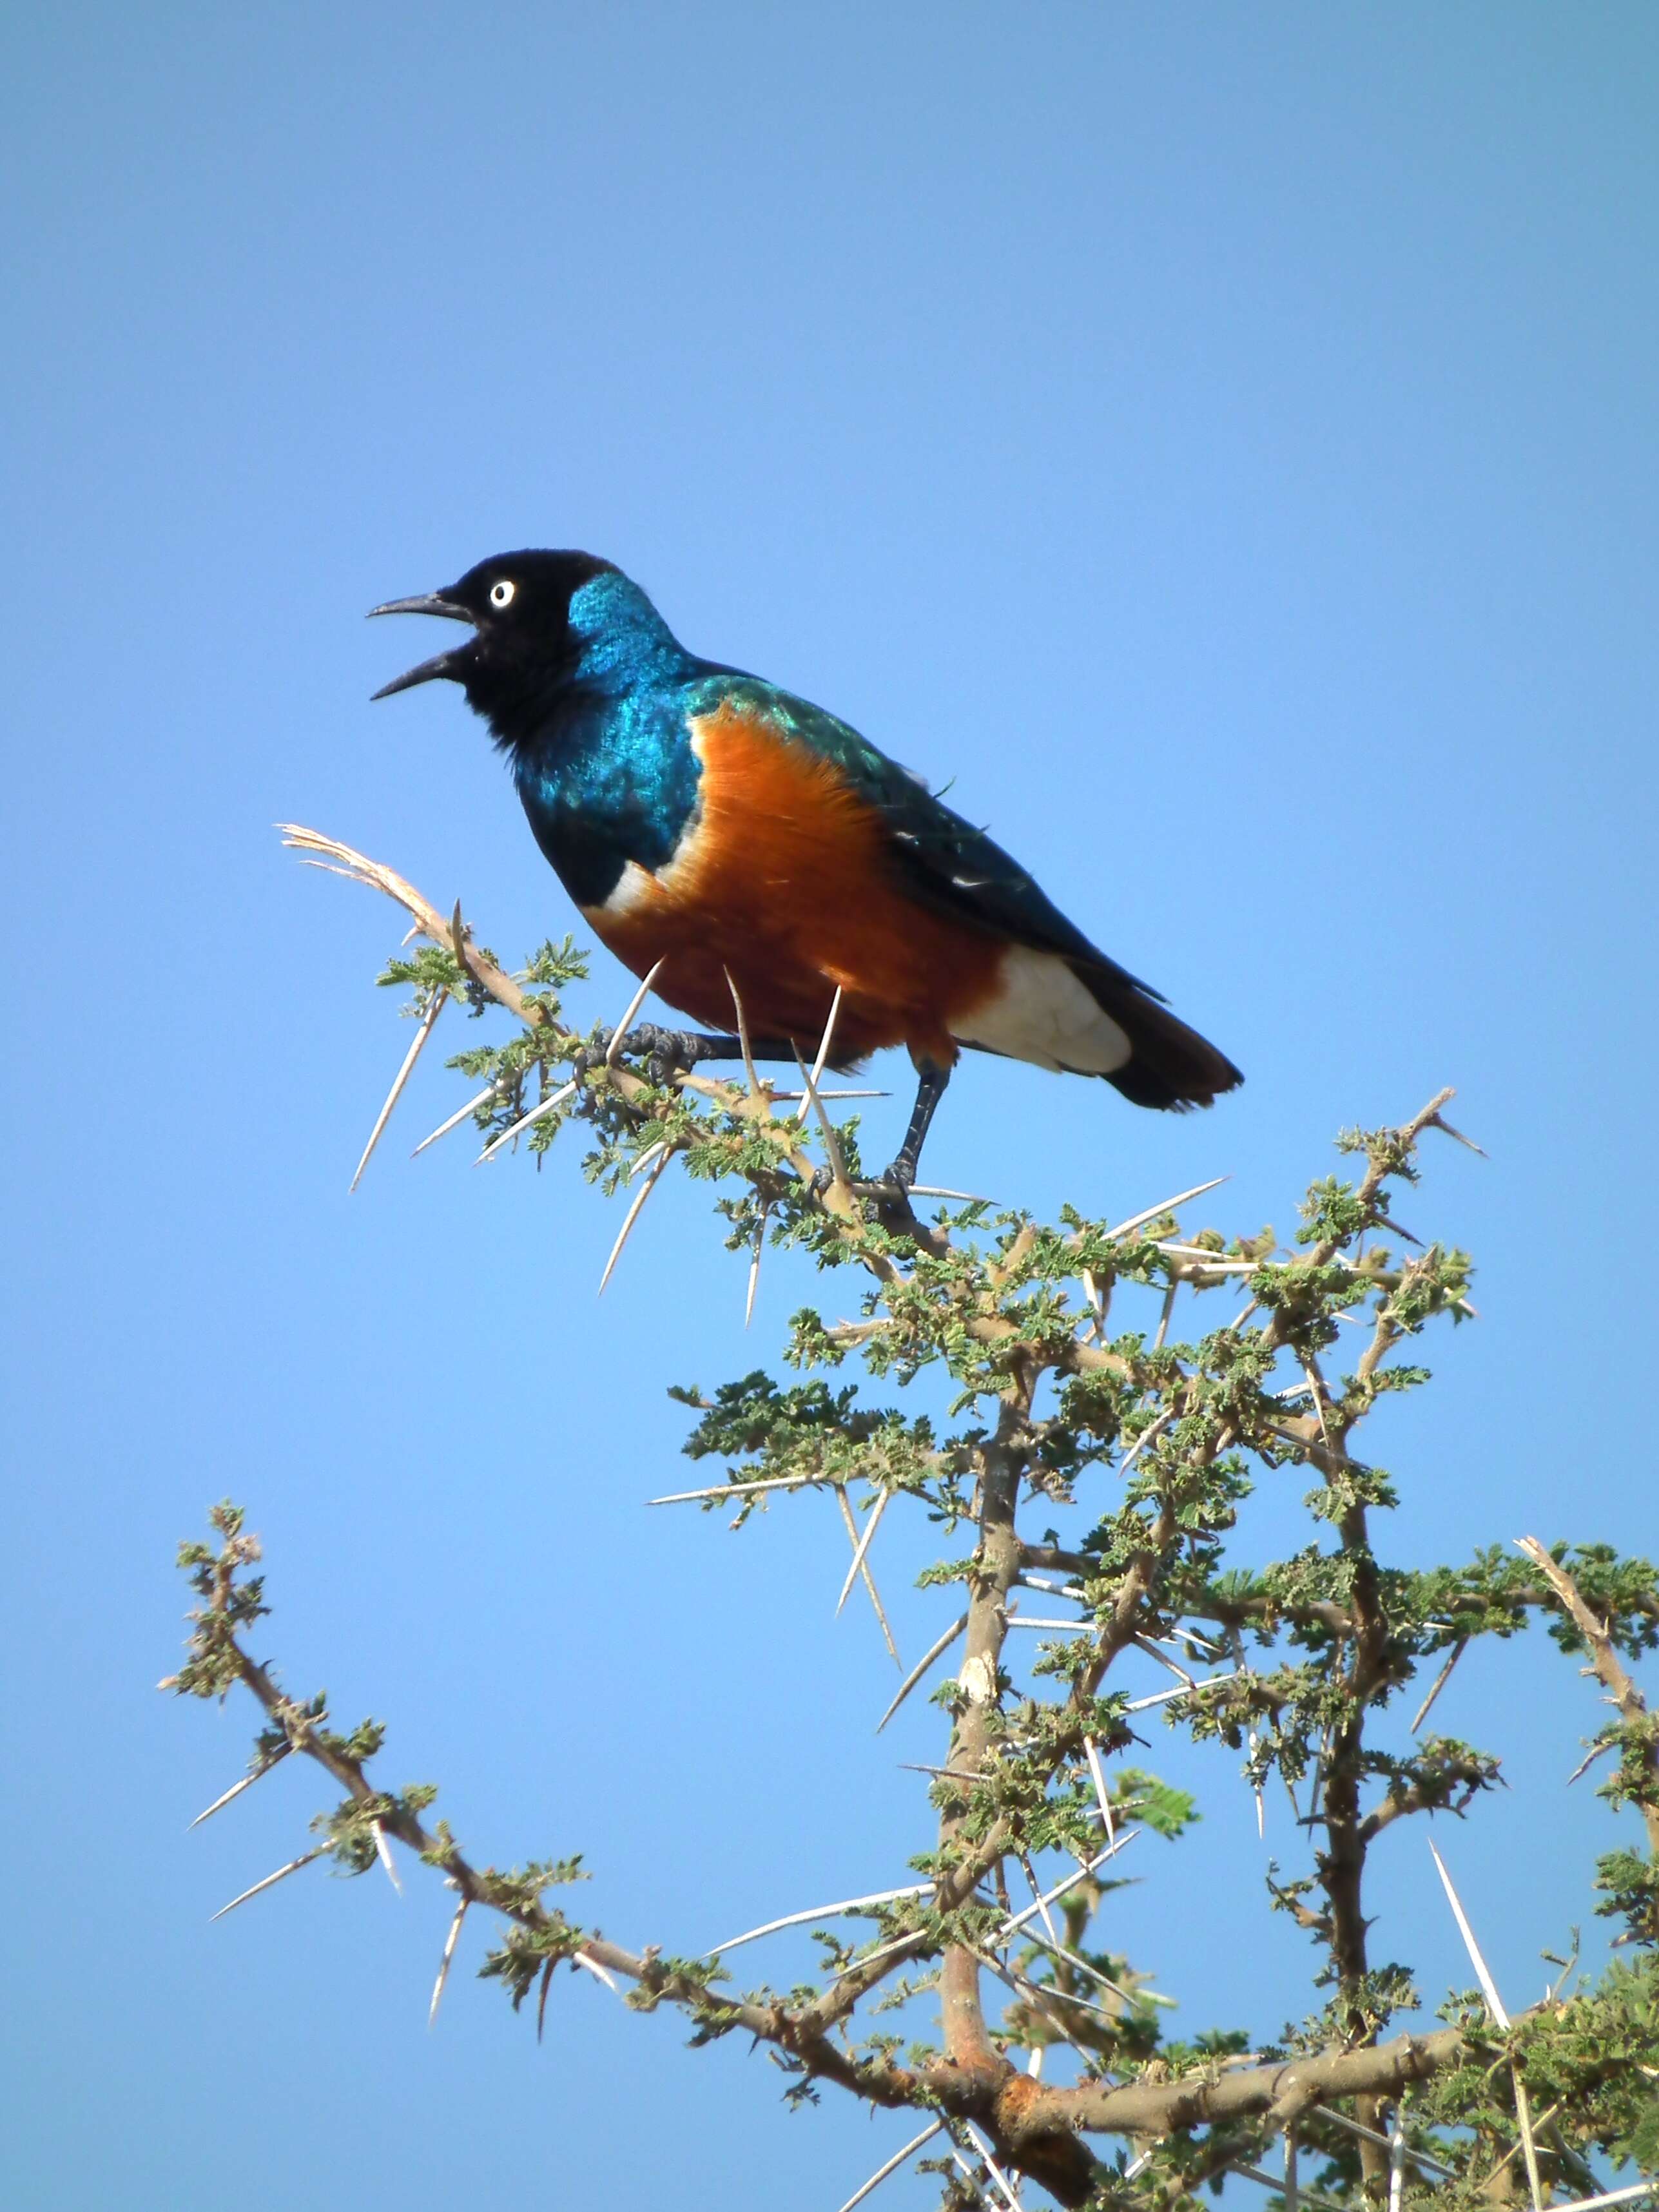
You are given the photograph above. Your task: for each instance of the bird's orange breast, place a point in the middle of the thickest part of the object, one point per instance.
(786, 882)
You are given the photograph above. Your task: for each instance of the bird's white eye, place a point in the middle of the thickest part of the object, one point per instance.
(501, 594)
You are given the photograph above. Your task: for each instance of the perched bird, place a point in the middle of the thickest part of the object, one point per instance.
(751, 842)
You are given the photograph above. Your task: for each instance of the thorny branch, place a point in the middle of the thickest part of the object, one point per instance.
(1020, 1328)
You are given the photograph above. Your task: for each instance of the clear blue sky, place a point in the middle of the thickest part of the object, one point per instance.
(1222, 439)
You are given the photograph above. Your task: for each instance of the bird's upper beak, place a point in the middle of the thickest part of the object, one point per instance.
(442, 664)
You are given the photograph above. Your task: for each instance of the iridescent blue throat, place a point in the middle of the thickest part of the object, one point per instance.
(607, 776)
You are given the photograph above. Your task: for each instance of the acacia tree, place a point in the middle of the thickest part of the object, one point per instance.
(1088, 1496)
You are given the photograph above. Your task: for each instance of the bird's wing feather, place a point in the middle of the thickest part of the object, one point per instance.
(943, 858)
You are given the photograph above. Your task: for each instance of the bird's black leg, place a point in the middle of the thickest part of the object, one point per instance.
(929, 1091)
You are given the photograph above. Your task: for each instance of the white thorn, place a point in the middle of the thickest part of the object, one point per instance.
(237, 1788)
(870, 1529)
(1094, 1758)
(1036, 1892)
(892, 2165)
(997, 2174)
(934, 1652)
(785, 1097)
(634, 1212)
(755, 1266)
(743, 1035)
(1162, 1697)
(601, 1974)
(443, 1963)
(1017, 1920)
(1148, 1435)
(742, 1489)
(827, 1127)
(619, 1034)
(1489, 1988)
(536, 1114)
(1613, 2196)
(1168, 1205)
(281, 1875)
(1357, 2128)
(439, 1000)
(819, 1912)
(1440, 1682)
(850, 1524)
(829, 1032)
(455, 1120)
(383, 1852)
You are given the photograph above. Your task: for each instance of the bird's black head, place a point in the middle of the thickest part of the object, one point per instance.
(522, 651)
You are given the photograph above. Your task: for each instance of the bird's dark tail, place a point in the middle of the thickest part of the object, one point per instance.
(1172, 1065)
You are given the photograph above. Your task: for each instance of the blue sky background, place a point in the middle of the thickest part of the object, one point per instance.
(1222, 439)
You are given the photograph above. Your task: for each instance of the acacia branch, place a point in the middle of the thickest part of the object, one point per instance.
(1187, 1415)
(1002, 1465)
(1609, 1668)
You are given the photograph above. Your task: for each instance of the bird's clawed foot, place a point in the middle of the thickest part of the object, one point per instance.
(889, 1191)
(665, 1053)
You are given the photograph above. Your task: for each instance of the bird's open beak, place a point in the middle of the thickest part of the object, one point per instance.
(441, 664)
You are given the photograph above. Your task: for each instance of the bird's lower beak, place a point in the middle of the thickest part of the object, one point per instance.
(441, 664)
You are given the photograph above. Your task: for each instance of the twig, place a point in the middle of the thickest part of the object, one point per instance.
(1596, 1751)
(358, 868)
(1610, 1670)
